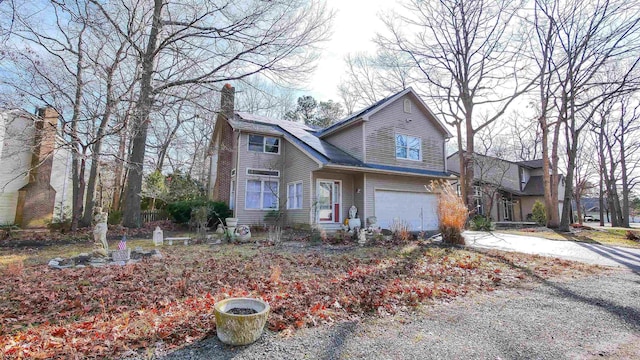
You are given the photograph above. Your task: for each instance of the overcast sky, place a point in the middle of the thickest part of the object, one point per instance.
(354, 25)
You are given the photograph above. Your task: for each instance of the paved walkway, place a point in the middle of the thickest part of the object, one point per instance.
(570, 250)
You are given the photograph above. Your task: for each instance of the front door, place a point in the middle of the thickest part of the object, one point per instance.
(329, 200)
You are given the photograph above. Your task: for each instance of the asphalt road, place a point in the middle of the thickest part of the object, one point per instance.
(570, 250)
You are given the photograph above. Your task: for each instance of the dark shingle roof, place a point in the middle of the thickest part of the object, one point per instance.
(534, 186)
(534, 164)
(301, 135)
(321, 150)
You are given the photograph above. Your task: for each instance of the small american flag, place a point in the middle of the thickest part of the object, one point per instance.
(123, 243)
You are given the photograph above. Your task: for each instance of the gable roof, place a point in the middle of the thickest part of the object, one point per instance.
(365, 113)
(318, 149)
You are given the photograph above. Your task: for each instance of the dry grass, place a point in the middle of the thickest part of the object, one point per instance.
(104, 312)
(452, 213)
(614, 237)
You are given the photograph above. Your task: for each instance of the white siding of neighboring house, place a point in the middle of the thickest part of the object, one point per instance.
(16, 139)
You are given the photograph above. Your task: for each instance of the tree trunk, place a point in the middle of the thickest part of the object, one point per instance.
(140, 125)
(78, 159)
(95, 152)
(463, 188)
(624, 175)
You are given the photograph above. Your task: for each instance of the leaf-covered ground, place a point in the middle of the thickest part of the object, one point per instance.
(106, 312)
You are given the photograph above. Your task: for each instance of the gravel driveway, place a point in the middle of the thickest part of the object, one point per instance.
(570, 250)
(596, 317)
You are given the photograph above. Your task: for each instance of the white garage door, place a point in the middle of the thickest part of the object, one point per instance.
(418, 209)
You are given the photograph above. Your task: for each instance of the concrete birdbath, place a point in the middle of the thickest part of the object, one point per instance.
(240, 321)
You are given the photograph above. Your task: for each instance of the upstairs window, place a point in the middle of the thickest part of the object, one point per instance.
(408, 147)
(264, 144)
(407, 106)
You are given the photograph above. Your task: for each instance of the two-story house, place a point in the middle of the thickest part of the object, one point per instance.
(380, 159)
(506, 190)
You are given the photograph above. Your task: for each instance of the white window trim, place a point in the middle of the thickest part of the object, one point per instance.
(255, 169)
(289, 206)
(395, 145)
(264, 144)
(262, 208)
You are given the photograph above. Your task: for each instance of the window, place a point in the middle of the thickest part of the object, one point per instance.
(264, 144)
(407, 106)
(233, 172)
(261, 195)
(275, 173)
(408, 147)
(294, 195)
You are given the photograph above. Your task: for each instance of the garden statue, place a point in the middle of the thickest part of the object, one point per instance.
(243, 233)
(354, 222)
(220, 229)
(100, 234)
(362, 237)
(372, 225)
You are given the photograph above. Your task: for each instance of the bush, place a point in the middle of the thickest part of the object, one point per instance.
(480, 223)
(181, 210)
(452, 213)
(115, 217)
(539, 213)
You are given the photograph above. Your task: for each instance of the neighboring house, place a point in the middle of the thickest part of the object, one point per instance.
(506, 190)
(380, 159)
(34, 174)
(591, 207)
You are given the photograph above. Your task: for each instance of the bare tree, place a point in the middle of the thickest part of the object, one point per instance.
(370, 78)
(464, 51)
(208, 43)
(575, 42)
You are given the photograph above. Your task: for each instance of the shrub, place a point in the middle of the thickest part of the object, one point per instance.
(115, 217)
(480, 223)
(273, 217)
(539, 213)
(452, 213)
(181, 210)
(401, 230)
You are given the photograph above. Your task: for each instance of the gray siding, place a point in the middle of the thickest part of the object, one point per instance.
(254, 160)
(358, 197)
(349, 140)
(298, 167)
(380, 133)
(390, 182)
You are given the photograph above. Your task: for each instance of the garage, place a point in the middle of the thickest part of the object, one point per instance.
(418, 209)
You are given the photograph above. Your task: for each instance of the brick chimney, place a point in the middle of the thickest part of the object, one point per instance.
(36, 200)
(223, 143)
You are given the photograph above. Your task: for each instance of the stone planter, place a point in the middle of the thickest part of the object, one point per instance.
(240, 329)
(231, 222)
